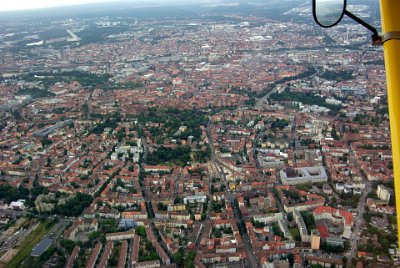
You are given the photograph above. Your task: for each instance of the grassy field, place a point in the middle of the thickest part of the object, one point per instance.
(25, 248)
(295, 234)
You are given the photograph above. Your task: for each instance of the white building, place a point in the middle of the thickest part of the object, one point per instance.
(194, 199)
(383, 193)
(305, 175)
(18, 205)
(268, 218)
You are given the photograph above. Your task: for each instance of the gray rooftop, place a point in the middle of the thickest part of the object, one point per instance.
(41, 247)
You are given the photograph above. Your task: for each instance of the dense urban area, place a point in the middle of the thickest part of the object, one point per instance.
(202, 135)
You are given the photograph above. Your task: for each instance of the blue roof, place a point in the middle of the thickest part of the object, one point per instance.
(41, 247)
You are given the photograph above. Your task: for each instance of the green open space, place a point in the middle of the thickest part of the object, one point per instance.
(295, 233)
(25, 248)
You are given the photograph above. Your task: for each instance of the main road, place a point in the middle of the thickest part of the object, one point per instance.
(354, 240)
(147, 201)
(252, 260)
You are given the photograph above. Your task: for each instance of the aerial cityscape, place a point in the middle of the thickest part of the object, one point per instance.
(199, 134)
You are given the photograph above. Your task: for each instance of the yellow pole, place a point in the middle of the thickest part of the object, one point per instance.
(390, 15)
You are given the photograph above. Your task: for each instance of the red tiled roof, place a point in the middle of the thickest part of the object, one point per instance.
(362, 254)
(323, 230)
(325, 209)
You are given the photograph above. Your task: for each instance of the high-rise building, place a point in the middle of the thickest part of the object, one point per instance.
(383, 193)
(315, 239)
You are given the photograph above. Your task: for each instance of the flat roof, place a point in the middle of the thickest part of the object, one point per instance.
(41, 247)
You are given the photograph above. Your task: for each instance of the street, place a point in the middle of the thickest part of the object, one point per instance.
(252, 260)
(361, 209)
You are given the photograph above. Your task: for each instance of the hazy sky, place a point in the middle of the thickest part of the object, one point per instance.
(7, 5)
(34, 4)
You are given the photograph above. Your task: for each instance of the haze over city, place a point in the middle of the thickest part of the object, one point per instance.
(38, 4)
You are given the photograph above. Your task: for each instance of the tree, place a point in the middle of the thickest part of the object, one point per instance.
(189, 259)
(85, 109)
(305, 98)
(222, 187)
(390, 165)
(337, 76)
(332, 249)
(290, 258)
(75, 205)
(280, 123)
(46, 141)
(308, 220)
(161, 207)
(16, 114)
(68, 244)
(120, 208)
(177, 200)
(35, 92)
(11, 193)
(141, 231)
(179, 257)
(180, 155)
(334, 134)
